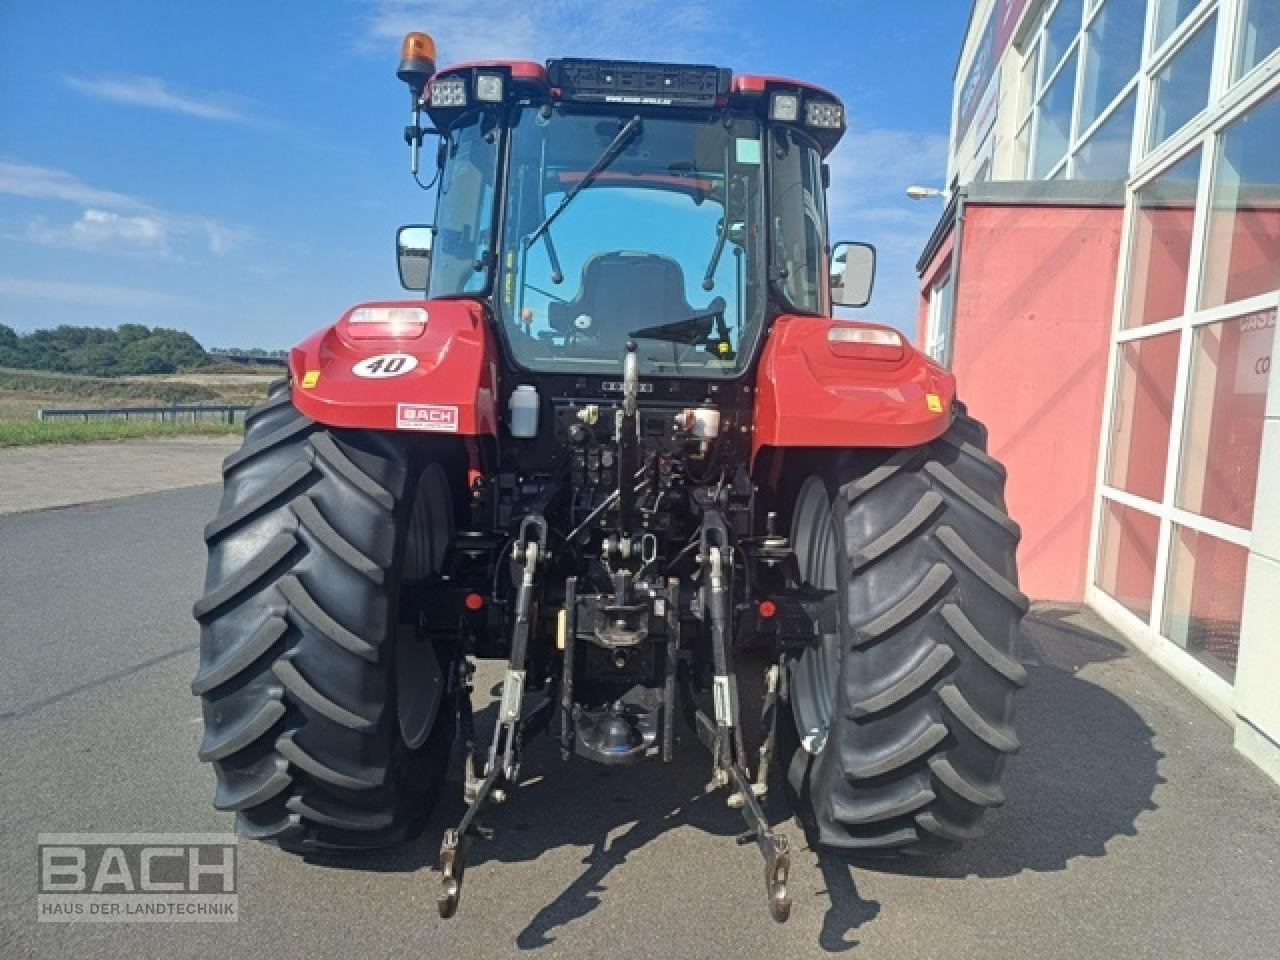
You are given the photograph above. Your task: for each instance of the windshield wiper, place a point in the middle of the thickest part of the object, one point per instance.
(611, 153)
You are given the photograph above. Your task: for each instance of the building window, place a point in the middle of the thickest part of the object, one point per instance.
(938, 321)
(1060, 32)
(1205, 597)
(1105, 155)
(1113, 52)
(1027, 82)
(1259, 34)
(1053, 120)
(1242, 256)
(1145, 381)
(1021, 151)
(1181, 89)
(1160, 250)
(1169, 14)
(1226, 403)
(1127, 556)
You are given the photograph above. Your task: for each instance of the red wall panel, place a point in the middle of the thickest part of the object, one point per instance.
(1033, 320)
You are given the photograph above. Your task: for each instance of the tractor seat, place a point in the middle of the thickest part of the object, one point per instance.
(620, 292)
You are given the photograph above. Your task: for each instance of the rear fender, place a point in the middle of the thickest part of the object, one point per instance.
(811, 392)
(442, 378)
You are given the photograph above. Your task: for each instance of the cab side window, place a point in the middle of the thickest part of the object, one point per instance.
(799, 217)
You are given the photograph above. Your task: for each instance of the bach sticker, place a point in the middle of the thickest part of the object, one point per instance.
(432, 417)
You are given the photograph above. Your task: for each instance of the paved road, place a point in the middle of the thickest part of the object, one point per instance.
(59, 474)
(1132, 829)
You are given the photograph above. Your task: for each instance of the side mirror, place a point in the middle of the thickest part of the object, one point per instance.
(413, 255)
(853, 273)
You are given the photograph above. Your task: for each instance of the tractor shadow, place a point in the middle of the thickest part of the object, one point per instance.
(1086, 771)
(610, 811)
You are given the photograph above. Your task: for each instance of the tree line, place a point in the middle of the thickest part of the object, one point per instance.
(130, 349)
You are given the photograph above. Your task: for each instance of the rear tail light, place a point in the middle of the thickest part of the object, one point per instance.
(866, 343)
(386, 323)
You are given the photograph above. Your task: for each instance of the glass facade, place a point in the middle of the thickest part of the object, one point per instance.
(1181, 100)
(1053, 120)
(1242, 256)
(1259, 34)
(1129, 540)
(1113, 53)
(1143, 412)
(1226, 400)
(1205, 598)
(1169, 15)
(1164, 212)
(1181, 89)
(1200, 275)
(1173, 105)
(1105, 155)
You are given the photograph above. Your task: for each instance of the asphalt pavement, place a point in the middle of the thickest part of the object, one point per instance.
(1132, 829)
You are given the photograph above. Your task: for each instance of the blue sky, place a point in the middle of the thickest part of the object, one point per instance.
(235, 169)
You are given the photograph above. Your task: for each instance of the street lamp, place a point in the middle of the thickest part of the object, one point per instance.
(924, 193)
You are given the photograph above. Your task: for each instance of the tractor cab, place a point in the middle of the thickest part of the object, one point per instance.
(594, 203)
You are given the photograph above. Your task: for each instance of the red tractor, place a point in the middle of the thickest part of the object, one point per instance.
(617, 441)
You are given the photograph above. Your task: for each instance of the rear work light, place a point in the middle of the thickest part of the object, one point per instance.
(865, 343)
(489, 87)
(386, 323)
(449, 92)
(823, 113)
(784, 107)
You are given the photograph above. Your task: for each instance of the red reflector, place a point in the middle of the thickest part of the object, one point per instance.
(767, 609)
(474, 602)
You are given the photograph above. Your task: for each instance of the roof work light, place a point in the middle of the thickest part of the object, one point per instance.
(489, 87)
(784, 107)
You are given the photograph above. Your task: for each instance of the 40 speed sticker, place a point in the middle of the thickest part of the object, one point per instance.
(385, 365)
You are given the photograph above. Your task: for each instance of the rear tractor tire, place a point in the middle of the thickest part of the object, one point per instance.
(328, 718)
(904, 719)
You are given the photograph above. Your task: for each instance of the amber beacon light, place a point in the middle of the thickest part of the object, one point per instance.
(417, 61)
(417, 64)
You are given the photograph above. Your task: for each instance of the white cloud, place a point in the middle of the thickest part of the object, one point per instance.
(105, 230)
(634, 29)
(94, 294)
(878, 165)
(112, 222)
(44, 183)
(155, 236)
(155, 94)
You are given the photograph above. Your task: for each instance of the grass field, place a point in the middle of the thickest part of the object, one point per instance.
(22, 433)
(23, 392)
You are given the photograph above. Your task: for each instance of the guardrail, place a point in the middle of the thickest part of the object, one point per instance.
(219, 412)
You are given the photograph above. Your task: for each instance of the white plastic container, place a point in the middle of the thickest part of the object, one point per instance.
(524, 411)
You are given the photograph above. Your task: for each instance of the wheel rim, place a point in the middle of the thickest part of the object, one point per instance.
(420, 681)
(815, 674)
